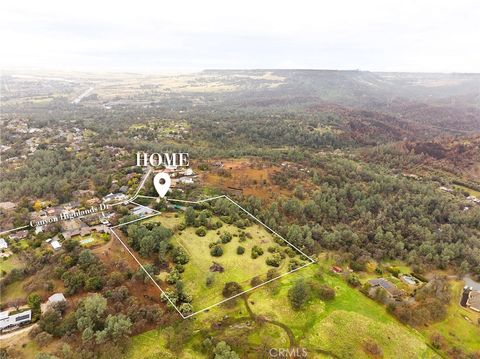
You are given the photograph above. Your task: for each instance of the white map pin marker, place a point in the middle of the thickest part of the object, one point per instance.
(162, 188)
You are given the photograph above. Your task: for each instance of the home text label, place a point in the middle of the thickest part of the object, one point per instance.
(180, 159)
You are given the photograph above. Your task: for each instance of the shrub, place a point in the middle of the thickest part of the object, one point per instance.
(324, 292)
(240, 224)
(372, 348)
(226, 237)
(186, 308)
(274, 260)
(216, 251)
(242, 237)
(394, 270)
(299, 294)
(179, 256)
(256, 251)
(43, 339)
(173, 276)
(255, 281)
(209, 280)
(231, 288)
(353, 280)
(201, 231)
(240, 250)
(272, 273)
(357, 266)
(294, 264)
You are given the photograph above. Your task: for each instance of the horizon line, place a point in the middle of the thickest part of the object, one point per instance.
(26, 69)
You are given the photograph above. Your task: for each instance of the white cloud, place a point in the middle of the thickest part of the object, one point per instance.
(153, 35)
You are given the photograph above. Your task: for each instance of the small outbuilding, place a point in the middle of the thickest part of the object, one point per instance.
(3, 243)
(56, 298)
(56, 245)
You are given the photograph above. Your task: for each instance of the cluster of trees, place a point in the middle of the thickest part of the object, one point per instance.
(98, 328)
(79, 269)
(153, 239)
(57, 174)
(148, 239)
(302, 291)
(430, 305)
(103, 320)
(370, 214)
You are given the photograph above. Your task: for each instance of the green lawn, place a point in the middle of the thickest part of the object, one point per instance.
(10, 263)
(92, 239)
(238, 268)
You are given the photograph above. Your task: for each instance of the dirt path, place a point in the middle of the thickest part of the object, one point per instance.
(17, 332)
(287, 330)
(255, 317)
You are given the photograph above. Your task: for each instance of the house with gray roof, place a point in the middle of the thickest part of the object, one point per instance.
(388, 286)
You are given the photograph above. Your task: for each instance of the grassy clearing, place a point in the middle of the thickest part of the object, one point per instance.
(93, 239)
(238, 268)
(340, 326)
(13, 291)
(152, 344)
(10, 263)
(456, 329)
(469, 190)
(166, 219)
(346, 335)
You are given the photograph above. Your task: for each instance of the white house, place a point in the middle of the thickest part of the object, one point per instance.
(142, 211)
(56, 298)
(56, 245)
(114, 197)
(186, 180)
(3, 243)
(9, 321)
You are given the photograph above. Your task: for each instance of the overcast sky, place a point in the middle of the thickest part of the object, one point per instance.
(139, 35)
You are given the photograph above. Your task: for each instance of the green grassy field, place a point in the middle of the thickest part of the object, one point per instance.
(340, 328)
(457, 330)
(238, 268)
(153, 344)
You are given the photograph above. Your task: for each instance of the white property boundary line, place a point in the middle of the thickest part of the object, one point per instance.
(224, 300)
(146, 272)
